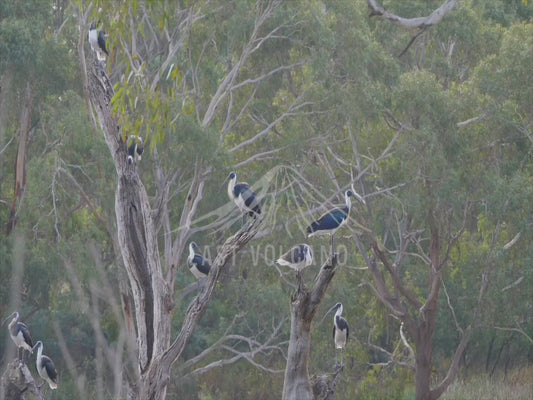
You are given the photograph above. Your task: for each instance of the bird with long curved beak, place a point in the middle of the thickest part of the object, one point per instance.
(332, 220)
(20, 334)
(243, 196)
(341, 330)
(45, 366)
(198, 265)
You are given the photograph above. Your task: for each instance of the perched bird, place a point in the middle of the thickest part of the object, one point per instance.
(328, 223)
(20, 334)
(198, 265)
(341, 330)
(243, 196)
(98, 42)
(135, 148)
(45, 366)
(299, 257)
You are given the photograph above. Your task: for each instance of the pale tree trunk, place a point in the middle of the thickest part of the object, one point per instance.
(137, 236)
(20, 164)
(304, 304)
(18, 383)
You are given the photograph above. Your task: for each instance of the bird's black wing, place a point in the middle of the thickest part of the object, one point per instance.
(48, 364)
(26, 333)
(330, 220)
(247, 194)
(101, 42)
(294, 255)
(202, 264)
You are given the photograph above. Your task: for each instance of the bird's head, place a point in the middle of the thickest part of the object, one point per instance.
(37, 346)
(93, 25)
(12, 316)
(357, 196)
(231, 177)
(194, 246)
(334, 308)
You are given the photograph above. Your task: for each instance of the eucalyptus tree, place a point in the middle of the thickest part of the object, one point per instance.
(170, 69)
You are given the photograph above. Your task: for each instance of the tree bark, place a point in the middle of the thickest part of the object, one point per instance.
(304, 304)
(20, 164)
(138, 242)
(18, 383)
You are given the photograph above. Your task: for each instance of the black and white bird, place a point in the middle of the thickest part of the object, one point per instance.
(297, 258)
(20, 334)
(198, 265)
(97, 41)
(328, 223)
(341, 330)
(135, 148)
(45, 366)
(243, 196)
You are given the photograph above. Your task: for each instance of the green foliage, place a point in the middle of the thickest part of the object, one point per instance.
(475, 176)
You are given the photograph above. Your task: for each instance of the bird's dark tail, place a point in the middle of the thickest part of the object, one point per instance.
(312, 228)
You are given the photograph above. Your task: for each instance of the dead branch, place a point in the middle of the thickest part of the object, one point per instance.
(412, 23)
(518, 329)
(419, 24)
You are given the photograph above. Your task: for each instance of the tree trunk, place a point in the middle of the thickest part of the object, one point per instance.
(138, 244)
(18, 383)
(20, 164)
(423, 366)
(304, 304)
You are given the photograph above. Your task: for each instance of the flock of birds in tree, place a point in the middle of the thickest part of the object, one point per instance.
(297, 258)
(21, 336)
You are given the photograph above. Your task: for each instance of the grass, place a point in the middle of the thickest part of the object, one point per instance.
(518, 385)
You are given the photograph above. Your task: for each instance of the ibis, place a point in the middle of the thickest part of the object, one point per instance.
(198, 265)
(297, 258)
(98, 42)
(45, 366)
(328, 223)
(135, 148)
(340, 330)
(20, 334)
(243, 196)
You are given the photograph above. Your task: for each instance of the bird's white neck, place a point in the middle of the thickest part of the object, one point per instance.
(348, 201)
(339, 311)
(191, 252)
(231, 186)
(39, 351)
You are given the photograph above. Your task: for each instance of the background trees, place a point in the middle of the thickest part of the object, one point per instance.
(304, 101)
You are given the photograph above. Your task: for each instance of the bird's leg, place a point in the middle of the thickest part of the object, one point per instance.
(342, 357)
(336, 357)
(331, 245)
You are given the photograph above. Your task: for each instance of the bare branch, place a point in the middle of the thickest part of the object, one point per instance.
(412, 23)
(518, 329)
(293, 110)
(515, 283)
(472, 120)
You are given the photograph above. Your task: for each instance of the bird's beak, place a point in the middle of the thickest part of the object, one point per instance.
(327, 313)
(224, 183)
(358, 197)
(7, 318)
